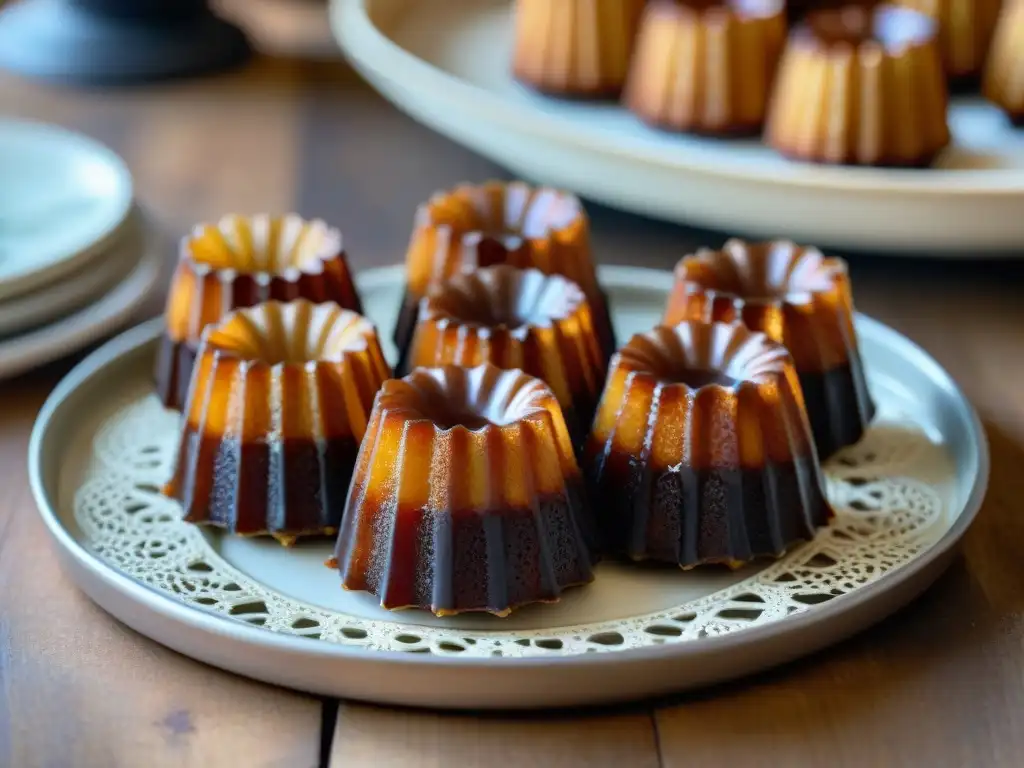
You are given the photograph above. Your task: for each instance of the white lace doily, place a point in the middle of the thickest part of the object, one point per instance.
(886, 492)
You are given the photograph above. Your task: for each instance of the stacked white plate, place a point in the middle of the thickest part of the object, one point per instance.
(78, 257)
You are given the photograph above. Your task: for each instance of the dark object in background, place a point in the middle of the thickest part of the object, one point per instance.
(107, 42)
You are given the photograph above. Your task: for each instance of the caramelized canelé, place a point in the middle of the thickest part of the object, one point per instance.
(701, 451)
(802, 300)
(574, 48)
(515, 318)
(1004, 74)
(860, 85)
(466, 496)
(706, 66)
(274, 415)
(239, 262)
(500, 223)
(965, 32)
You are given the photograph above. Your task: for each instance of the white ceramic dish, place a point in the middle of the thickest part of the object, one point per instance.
(94, 321)
(103, 445)
(63, 198)
(446, 63)
(75, 290)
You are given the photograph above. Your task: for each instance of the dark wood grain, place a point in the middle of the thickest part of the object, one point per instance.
(428, 740)
(937, 685)
(79, 689)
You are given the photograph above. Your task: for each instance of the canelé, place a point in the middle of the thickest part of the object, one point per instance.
(466, 496)
(1004, 74)
(496, 222)
(802, 300)
(965, 32)
(860, 85)
(278, 404)
(515, 318)
(574, 48)
(239, 262)
(701, 451)
(706, 66)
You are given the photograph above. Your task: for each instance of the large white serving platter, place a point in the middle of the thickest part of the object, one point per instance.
(63, 199)
(446, 63)
(103, 446)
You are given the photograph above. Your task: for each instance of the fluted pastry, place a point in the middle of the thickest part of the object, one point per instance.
(274, 415)
(238, 262)
(802, 300)
(1004, 75)
(515, 318)
(965, 32)
(577, 48)
(466, 497)
(706, 67)
(474, 226)
(860, 86)
(701, 451)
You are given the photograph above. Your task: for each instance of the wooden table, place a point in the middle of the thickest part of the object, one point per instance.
(941, 684)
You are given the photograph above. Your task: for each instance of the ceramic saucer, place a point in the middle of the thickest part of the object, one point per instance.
(63, 199)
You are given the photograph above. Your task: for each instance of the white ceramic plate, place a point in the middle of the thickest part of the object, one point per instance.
(103, 446)
(63, 198)
(95, 321)
(446, 63)
(75, 290)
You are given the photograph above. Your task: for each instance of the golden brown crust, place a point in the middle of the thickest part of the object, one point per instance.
(481, 225)
(278, 403)
(279, 371)
(701, 449)
(240, 262)
(799, 298)
(795, 294)
(706, 67)
(1004, 75)
(839, 98)
(575, 48)
(708, 395)
(965, 32)
(516, 318)
(463, 479)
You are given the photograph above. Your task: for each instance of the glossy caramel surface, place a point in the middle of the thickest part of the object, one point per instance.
(704, 395)
(701, 451)
(794, 294)
(278, 404)
(839, 96)
(242, 261)
(452, 447)
(474, 226)
(706, 67)
(799, 298)
(574, 47)
(515, 318)
(496, 222)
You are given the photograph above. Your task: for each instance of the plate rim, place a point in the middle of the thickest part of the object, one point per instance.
(37, 346)
(63, 295)
(74, 258)
(211, 624)
(365, 46)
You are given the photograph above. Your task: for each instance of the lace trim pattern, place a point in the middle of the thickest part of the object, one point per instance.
(886, 492)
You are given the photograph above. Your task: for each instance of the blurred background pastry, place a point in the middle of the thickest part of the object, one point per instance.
(861, 86)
